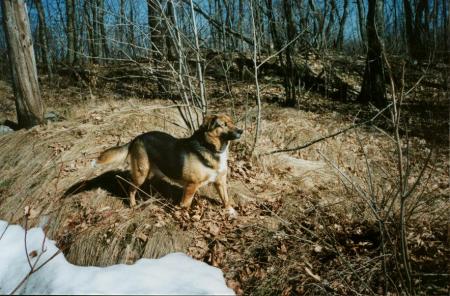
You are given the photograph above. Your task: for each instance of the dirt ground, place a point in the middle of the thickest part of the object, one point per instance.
(303, 226)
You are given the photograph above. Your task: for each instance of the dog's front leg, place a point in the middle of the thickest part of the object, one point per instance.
(188, 194)
(221, 187)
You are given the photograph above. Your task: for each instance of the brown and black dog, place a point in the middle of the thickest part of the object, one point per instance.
(189, 162)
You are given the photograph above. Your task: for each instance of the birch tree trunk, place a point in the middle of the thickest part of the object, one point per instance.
(29, 107)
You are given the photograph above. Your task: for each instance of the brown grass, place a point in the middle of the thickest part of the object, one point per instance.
(295, 211)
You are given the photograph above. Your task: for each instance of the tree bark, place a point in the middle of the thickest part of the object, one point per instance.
(90, 30)
(290, 76)
(373, 85)
(361, 20)
(155, 24)
(101, 24)
(330, 25)
(29, 107)
(120, 37)
(340, 38)
(412, 29)
(43, 40)
(130, 32)
(240, 21)
(157, 42)
(97, 49)
(71, 39)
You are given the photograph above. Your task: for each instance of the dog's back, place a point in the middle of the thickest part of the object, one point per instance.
(164, 151)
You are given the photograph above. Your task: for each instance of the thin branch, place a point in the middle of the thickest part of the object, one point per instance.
(218, 25)
(370, 121)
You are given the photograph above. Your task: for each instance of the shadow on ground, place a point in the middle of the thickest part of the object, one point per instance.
(113, 182)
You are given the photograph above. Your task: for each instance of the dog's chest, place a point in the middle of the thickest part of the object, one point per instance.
(221, 168)
(223, 160)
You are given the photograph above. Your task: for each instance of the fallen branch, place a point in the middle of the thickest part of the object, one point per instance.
(333, 134)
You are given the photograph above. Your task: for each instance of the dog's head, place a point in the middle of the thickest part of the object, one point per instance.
(221, 127)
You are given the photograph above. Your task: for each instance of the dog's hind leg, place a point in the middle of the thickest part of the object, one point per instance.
(140, 168)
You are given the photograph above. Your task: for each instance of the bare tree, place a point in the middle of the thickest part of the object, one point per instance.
(102, 32)
(71, 33)
(361, 20)
(340, 37)
(30, 110)
(290, 74)
(43, 40)
(373, 86)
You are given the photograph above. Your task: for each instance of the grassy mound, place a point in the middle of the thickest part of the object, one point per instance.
(302, 226)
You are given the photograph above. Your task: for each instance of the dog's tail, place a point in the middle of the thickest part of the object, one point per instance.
(119, 153)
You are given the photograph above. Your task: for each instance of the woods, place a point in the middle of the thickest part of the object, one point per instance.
(99, 32)
(338, 185)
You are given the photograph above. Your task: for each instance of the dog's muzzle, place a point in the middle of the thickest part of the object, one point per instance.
(236, 134)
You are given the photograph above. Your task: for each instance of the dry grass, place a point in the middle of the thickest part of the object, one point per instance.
(40, 164)
(296, 213)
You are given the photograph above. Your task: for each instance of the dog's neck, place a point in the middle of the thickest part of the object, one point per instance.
(216, 145)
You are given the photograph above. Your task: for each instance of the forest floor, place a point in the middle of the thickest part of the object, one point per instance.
(303, 226)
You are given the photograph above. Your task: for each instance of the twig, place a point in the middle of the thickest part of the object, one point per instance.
(33, 268)
(370, 121)
(27, 214)
(281, 50)
(258, 94)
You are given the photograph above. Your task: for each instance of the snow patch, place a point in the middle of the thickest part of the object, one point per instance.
(175, 273)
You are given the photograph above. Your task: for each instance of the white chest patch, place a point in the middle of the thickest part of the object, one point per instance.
(223, 165)
(223, 161)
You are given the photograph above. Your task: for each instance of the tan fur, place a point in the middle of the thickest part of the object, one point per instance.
(113, 154)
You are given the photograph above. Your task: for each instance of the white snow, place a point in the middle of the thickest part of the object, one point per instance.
(175, 273)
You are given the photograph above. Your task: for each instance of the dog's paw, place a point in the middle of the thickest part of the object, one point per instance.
(232, 213)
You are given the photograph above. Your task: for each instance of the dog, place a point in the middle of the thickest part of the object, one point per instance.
(189, 162)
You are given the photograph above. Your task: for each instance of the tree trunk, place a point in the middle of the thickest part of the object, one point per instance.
(340, 38)
(90, 30)
(43, 40)
(30, 110)
(120, 33)
(361, 20)
(96, 32)
(130, 32)
(273, 32)
(373, 85)
(101, 24)
(240, 26)
(330, 25)
(155, 28)
(290, 77)
(412, 37)
(446, 25)
(71, 39)
(157, 42)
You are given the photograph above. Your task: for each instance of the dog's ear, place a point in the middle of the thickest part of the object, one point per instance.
(210, 122)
